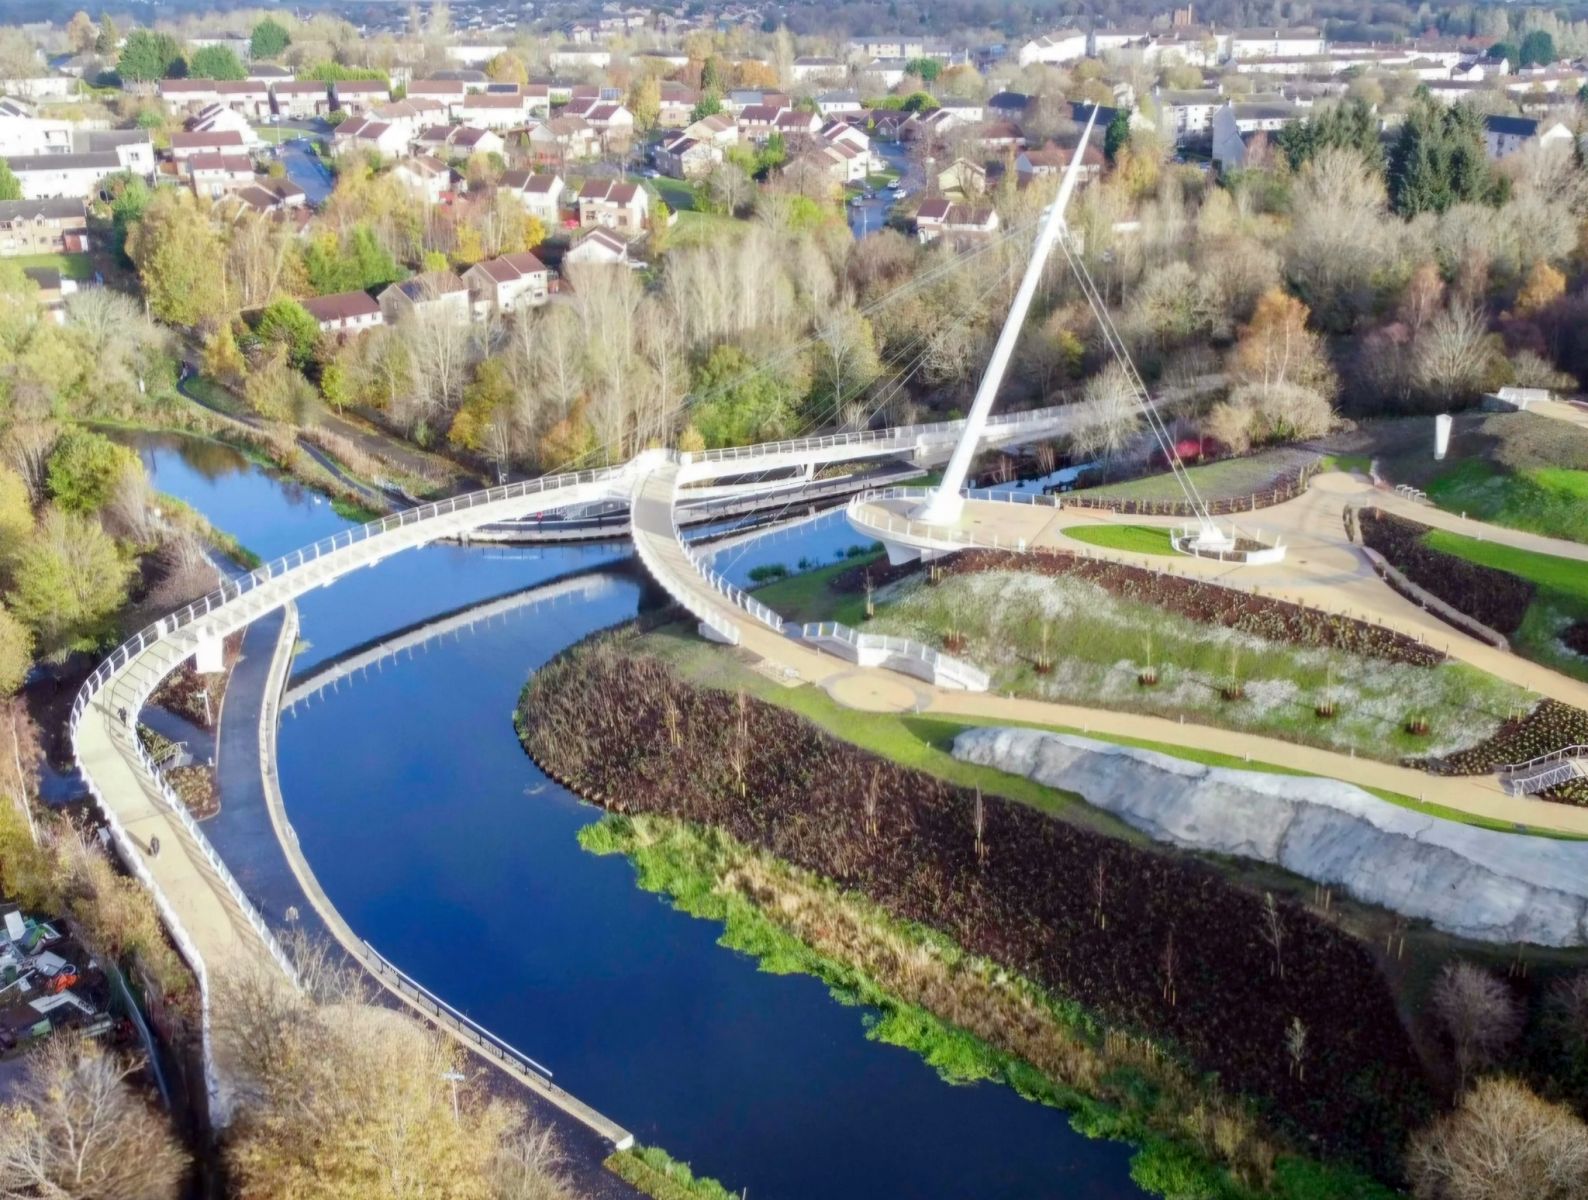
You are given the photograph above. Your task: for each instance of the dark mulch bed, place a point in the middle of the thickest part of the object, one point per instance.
(1086, 915)
(1497, 599)
(1208, 603)
(1575, 638)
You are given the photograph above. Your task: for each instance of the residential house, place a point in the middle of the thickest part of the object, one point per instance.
(494, 110)
(439, 294)
(596, 247)
(358, 96)
(132, 147)
(1277, 43)
(614, 204)
(613, 123)
(21, 132)
(244, 96)
(563, 140)
(301, 98)
(448, 93)
(368, 134)
(78, 175)
(888, 45)
(1060, 46)
(1235, 125)
(55, 226)
(963, 176)
(345, 312)
(995, 137)
(1053, 158)
(424, 175)
(219, 118)
(796, 123)
(1188, 114)
(682, 157)
(1503, 136)
(471, 77)
(884, 74)
(270, 73)
(719, 130)
(540, 194)
(580, 58)
(43, 87)
(265, 195)
(814, 67)
(845, 131)
(508, 284)
(188, 94)
(665, 61)
(214, 175)
(757, 121)
(838, 104)
(468, 140)
(967, 112)
(677, 107)
(409, 116)
(1008, 106)
(53, 290)
(943, 218)
(185, 145)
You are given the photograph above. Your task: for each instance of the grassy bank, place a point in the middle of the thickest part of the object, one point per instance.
(659, 1175)
(969, 1018)
(1561, 599)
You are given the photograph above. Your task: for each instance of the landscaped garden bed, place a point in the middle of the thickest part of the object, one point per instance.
(1205, 603)
(1112, 926)
(1491, 597)
(1550, 727)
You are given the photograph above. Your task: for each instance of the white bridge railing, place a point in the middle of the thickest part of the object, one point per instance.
(945, 666)
(997, 429)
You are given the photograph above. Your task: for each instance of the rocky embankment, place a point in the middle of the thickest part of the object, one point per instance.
(1476, 883)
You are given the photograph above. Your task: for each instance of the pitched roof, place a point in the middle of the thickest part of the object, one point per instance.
(222, 137)
(100, 160)
(610, 190)
(234, 164)
(510, 267)
(437, 87)
(341, 306)
(1511, 126)
(493, 100)
(529, 181)
(61, 208)
(430, 285)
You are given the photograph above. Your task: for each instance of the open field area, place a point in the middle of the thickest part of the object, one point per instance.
(1519, 470)
(71, 266)
(1222, 480)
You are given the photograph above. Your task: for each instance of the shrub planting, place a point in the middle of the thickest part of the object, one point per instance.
(1497, 599)
(1149, 941)
(1549, 727)
(1207, 603)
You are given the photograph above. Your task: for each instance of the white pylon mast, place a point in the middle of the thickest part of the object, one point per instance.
(944, 505)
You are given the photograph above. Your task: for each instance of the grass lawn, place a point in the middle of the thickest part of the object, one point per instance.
(1221, 480)
(205, 390)
(1562, 596)
(694, 228)
(680, 197)
(1552, 501)
(71, 266)
(806, 597)
(1138, 539)
(1360, 464)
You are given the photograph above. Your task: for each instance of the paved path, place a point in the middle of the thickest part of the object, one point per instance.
(1323, 570)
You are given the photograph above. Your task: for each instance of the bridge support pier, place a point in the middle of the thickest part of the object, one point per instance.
(209, 658)
(711, 635)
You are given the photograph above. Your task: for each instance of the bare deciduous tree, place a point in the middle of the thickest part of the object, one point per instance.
(1110, 415)
(1478, 1012)
(76, 1130)
(1502, 1143)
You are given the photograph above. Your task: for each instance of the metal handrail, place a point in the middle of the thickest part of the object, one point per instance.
(972, 676)
(1578, 750)
(899, 433)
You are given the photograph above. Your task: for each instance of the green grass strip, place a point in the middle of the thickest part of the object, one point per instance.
(1136, 539)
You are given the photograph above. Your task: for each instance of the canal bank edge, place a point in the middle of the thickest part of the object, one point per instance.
(364, 954)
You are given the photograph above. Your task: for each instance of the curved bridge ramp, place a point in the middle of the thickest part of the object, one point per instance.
(1549, 771)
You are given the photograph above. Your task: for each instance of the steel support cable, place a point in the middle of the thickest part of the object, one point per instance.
(898, 384)
(1121, 353)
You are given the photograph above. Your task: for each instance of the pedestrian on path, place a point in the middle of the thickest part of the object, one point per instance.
(154, 847)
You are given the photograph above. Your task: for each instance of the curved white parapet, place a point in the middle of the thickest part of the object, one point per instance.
(908, 538)
(1477, 883)
(1225, 546)
(904, 655)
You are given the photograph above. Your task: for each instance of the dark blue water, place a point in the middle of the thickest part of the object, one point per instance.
(445, 847)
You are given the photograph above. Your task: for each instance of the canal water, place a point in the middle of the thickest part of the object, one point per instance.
(442, 844)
